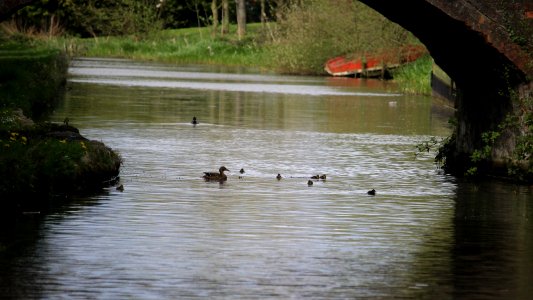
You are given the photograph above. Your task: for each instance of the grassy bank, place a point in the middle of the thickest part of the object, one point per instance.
(259, 49)
(179, 46)
(415, 77)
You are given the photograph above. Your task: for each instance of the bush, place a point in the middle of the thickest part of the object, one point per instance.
(91, 18)
(318, 30)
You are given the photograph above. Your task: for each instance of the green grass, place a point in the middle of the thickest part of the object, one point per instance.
(415, 77)
(188, 45)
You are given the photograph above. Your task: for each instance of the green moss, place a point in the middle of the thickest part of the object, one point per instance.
(518, 167)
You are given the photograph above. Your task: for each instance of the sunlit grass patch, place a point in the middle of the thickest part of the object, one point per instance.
(415, 77)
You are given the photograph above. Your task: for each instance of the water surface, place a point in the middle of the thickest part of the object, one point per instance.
(172, 235)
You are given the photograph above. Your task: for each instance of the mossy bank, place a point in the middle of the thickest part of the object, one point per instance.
(40, 160)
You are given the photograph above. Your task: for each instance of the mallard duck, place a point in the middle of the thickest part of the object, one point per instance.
(371, 192)
(279, 176)
(194, 121)
(323, 176)
(241, 171)
(310, 182)
(315, 177)
(216, 176)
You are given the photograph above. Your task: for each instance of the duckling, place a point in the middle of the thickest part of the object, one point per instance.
(310, 182)
(315, 177)
(216, 176)
(120, 188)
(241, 171)
(323, 176)
(194, 121)
(279, 176)
(371, 192)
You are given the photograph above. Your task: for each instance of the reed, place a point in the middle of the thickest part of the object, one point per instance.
(415, 77)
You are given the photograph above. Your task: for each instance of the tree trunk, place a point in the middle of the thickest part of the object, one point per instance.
(263, 15)
(214, 11)
(241, 18)
(225, 17)
(280, 9)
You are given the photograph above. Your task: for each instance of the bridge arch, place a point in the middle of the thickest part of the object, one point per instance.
(473, 42)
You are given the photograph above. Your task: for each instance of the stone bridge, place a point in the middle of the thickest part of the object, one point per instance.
(486, 47)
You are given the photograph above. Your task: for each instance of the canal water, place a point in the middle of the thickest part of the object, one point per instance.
(172, 235)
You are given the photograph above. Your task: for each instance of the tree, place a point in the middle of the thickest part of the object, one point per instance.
(263, 14)
(92, 17)
(177, 14)
(8, 7)
(225, 17)
(241, 18)
(214, 11)
(282, 7)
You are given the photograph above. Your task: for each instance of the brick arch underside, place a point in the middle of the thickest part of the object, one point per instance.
(482, 74)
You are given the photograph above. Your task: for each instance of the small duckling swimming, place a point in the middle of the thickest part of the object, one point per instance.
(241, 171)
(120, 188)
(278, 177)
(194, 121)
(310, 182)
(371, 192)
(323, 176)
(315, 177)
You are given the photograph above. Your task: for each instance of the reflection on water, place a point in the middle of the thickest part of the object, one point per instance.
(170, 234)
(493, 241)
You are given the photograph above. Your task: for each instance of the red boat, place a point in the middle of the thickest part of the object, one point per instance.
(372, 65)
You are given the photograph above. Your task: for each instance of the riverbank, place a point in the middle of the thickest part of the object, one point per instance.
(31, 76)
(178, 46)
(40, 160)
(199, 46)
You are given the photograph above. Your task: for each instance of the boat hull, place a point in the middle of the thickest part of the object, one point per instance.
(368, 65)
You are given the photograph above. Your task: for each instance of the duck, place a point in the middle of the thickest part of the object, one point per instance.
(194, 121)
(216, 176)
(279, 176)
(315, 177)
(310, 182)
(120, 188)
(323, 176)
(241, 171)
(371, 192)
